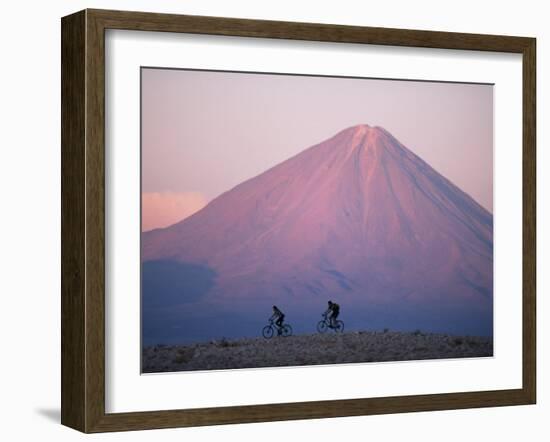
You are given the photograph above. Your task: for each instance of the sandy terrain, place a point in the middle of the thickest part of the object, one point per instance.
(351, 347)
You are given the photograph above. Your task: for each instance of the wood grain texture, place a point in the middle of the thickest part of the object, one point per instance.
(95, 222)
(83, 220)
(529, 220)
(308, 410)
(145, 21)
(73, 128)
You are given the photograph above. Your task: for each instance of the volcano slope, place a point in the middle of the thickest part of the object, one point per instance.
(358, 219)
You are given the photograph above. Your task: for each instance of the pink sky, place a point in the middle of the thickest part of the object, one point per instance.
(162, 209)
(205, 132)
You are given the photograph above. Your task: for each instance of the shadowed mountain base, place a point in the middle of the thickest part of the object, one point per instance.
(353, 347)
(358, 219)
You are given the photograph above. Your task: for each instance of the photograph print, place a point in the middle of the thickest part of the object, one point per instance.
(301, 220)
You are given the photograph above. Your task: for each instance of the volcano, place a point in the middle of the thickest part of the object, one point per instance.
(358, 219)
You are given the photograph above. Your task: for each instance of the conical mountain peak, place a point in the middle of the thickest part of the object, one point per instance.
(357, 217)
(368, 137)
(364, 144)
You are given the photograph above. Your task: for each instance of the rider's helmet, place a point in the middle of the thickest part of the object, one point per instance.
(274, 307)
(330, 303)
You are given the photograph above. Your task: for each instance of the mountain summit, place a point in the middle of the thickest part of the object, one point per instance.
(357, 218)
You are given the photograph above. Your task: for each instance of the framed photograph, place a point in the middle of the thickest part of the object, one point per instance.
(272, 220)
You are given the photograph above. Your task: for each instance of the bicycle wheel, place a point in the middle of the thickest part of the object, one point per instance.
(322, 326)
(339, 327)
(267, 331)
(287, 330)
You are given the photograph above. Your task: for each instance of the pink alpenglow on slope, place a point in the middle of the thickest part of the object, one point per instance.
(358, 219)
(162, 209)
(237, 125)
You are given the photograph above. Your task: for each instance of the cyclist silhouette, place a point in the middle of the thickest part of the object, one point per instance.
(280, 316)
(333, 311)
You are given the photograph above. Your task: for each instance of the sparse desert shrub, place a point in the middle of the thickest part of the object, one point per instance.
(386, 330)
(351, 344)
(350, 347)
(183, 355)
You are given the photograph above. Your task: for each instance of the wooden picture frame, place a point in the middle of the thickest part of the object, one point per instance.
(83, 220)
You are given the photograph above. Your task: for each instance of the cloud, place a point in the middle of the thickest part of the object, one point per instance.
(162, 209)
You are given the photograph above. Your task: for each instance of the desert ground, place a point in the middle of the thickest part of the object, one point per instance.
(345, 348)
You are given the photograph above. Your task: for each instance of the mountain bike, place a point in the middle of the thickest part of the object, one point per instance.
(269, 330)
(324, 324)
